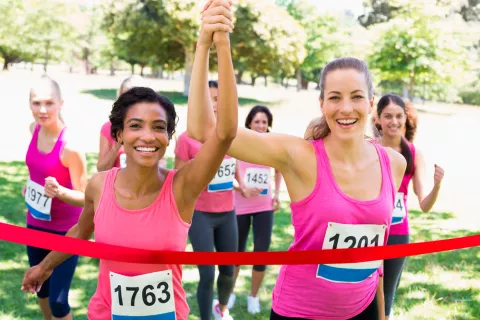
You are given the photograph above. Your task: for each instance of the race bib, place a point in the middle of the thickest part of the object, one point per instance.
(144, 297)
(257, 178)
(342, 236)
(123, 160)
(223, 180)
(37, 202)
(399, 211)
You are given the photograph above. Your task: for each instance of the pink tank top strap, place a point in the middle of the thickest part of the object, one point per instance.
(412, 149)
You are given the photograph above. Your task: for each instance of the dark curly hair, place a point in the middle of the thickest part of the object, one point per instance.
(256, 110)
(410, 124)
(137, 95)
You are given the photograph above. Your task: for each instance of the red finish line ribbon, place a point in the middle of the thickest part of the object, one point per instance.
(86, 248)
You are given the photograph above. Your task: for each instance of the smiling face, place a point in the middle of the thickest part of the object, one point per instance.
(346, 103)
(45, 104)
(392, 120)
(259, 122)
(145, 137)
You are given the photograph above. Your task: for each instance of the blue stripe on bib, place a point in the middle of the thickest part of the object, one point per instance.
(224, 186)
(163, 316)
(343, 274)
(39, 215)
(396, 220)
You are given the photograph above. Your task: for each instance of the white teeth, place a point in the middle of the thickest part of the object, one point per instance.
(142, 149)
(349, 121)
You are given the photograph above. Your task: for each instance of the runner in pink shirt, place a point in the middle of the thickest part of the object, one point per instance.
(214, 224)
(342, 189)
(254, 205)
(142, 206)
(396, 122)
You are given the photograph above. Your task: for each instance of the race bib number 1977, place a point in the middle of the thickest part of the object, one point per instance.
(144, 297)
(39, 205)
(342, 236)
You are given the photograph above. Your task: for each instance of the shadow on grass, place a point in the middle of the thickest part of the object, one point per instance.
(175, 96)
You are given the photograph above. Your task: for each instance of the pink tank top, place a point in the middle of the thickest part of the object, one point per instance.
(105, 131)
(258, 176)
(218, 196)
(42, 165)
(400, 212)
(157, 227)
(329, 219)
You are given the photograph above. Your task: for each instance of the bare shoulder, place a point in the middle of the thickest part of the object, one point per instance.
(32, 127)
(95, 185)
(73, 146)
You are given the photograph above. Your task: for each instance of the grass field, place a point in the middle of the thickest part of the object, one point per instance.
(437, 286)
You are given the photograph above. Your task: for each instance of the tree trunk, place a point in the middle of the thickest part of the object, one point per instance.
(133, 67)
(47, 49)
(286, 82)
(112, 68)
(411, 86)
(189, 56)
(405, 91)
(253, 80)
(304, 84)
(298, 74)
(5, 64)
(266, 80)
(160, 73)
(142, 67)
(239, 77)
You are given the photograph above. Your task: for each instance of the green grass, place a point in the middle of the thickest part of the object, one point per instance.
(437, 286)
(175, 96)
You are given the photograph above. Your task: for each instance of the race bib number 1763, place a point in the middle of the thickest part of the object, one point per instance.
(144, 297)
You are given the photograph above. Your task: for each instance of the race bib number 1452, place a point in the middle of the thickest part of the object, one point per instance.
(37, 202)
(144, 297)
(343, 236)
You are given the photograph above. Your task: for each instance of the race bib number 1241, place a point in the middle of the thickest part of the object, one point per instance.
(148, 296)
(39, 205)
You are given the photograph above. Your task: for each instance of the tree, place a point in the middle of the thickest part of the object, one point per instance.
(13, 32)
(266, 39)
(322, 32)
(412, 52)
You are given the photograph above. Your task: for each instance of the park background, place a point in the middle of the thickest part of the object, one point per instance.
(426, 50)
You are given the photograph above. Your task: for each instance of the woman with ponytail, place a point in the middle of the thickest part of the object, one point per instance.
(396, 122)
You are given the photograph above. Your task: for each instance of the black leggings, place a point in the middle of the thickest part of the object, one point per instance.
(392, 270)
(57, 286)
(370, 313)
(262, 232)
(211, 231)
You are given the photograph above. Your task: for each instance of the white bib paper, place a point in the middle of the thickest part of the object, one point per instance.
(342, 236)
(123, 160)
(148, 296)
(257, 178)
(399, 211)
(223, 180)
(37, 202)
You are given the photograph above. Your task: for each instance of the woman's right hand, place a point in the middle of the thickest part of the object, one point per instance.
(250, 192)
(216, 16)
(34, 278)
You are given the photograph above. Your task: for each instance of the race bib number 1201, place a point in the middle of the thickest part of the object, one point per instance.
(39, 205)
(144, 297)
(223, 180)
(399, 211)
(343, 236)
